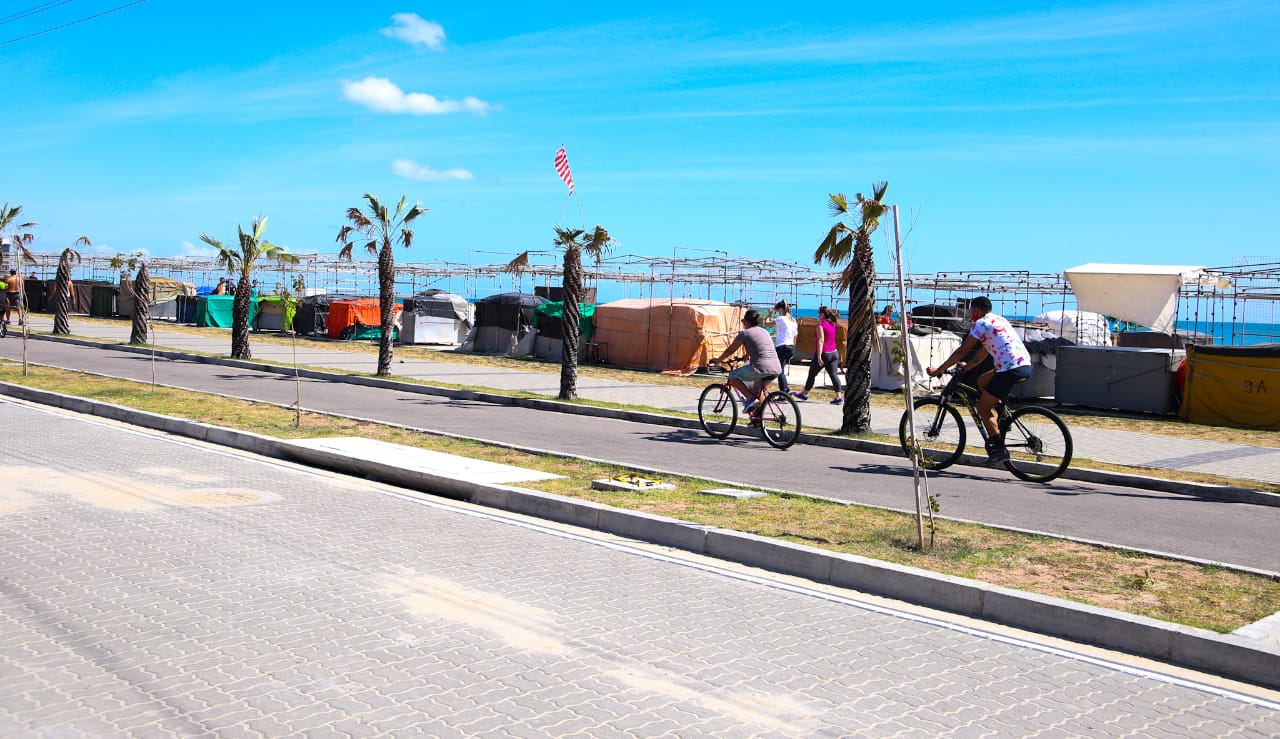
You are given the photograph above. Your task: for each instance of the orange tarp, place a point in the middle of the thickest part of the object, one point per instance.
(675, 336)
(805, 339)
(344, 313)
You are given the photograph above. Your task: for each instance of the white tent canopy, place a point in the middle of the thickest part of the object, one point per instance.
(1145, 294)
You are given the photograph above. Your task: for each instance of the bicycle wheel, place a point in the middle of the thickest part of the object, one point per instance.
(1039, 444)
(940, 433)
(718, 410)
(780, 420)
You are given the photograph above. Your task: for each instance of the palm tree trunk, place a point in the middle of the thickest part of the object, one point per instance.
(861, 334)
(240, 318)
(62, 299)
(386, 304)
(141, 306)
(569, 323)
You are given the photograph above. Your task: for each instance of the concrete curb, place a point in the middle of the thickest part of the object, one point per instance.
(1201, 490)
(1232, 656)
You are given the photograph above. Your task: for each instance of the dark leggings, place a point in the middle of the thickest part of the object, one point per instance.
(830, 360)
(785, 353)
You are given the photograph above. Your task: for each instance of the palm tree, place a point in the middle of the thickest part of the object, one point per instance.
(141, 306)
(62, 285)
(849, 248)
(252, 248)
(574, 242)
(21, 241)
(380, 230)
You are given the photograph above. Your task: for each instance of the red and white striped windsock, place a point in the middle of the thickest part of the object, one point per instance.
(562, 168)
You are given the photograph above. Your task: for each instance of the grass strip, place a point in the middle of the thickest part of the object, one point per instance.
(1208, 597)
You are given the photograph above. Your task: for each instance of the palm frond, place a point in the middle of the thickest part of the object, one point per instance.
(600, 243)
(345, 251)
(847, 276)
(359, 219)
(414, 212)
(344, 233)
(567, 237)
(406, 236)
(838, 205)
(835, 247)
(372, 247)
(518, 264)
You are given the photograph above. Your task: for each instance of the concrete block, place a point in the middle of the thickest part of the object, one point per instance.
(769, 554)
(1226, 654)
(944, 592)
(659, 530)
(733, 493)
(555, 508)
(491, 496)
(1057, 617)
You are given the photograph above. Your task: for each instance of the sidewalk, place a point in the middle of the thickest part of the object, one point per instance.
(1114, 447)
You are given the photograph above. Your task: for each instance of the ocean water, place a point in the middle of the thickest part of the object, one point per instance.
(1247, 333)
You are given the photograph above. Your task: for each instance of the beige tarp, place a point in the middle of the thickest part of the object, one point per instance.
(163, 290)
(675, 336)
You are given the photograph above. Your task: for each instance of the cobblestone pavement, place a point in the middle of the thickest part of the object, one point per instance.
(154, 587)
(1113, 446)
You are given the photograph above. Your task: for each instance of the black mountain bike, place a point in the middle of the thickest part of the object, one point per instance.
(1038, 441)
(777, 416)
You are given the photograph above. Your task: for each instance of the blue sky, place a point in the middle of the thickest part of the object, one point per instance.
(1012, 136)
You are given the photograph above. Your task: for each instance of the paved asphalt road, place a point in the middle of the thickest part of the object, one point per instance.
(157, 587)
(1234, 533)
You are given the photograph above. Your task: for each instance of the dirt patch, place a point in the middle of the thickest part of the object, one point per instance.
(520, 625)
(118, 493)
(14, 501)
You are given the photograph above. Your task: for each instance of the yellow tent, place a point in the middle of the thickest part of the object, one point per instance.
(1233, 386)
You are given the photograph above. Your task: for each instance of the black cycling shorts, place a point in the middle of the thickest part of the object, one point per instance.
(1002, 382)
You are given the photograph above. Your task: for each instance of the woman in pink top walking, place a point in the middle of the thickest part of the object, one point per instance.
(825, 356)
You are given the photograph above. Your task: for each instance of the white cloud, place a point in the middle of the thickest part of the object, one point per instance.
(382, 95)
(411, 28)
(410, 169)
(188, 249)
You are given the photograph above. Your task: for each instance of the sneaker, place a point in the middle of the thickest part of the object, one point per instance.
(750, 405)
(997, 456)
(800, 396)
(838, 400)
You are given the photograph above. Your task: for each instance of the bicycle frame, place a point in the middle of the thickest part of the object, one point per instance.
(959, 394)
(1038, 442)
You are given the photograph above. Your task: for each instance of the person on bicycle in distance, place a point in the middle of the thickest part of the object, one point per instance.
(762, 360)
(996, 337)
(13, 296)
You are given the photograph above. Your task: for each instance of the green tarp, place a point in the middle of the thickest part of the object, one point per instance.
(550, 315)
(361, 332)
(215, 310)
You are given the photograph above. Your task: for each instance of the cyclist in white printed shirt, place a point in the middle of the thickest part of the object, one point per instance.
(996, 337)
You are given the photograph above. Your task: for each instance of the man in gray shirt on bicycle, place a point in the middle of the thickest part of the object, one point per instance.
(762, 361)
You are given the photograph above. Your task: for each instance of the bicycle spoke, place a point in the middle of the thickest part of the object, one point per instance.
(1039, 444)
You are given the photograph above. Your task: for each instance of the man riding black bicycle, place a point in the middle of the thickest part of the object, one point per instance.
(992, 335)
(762, 361)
